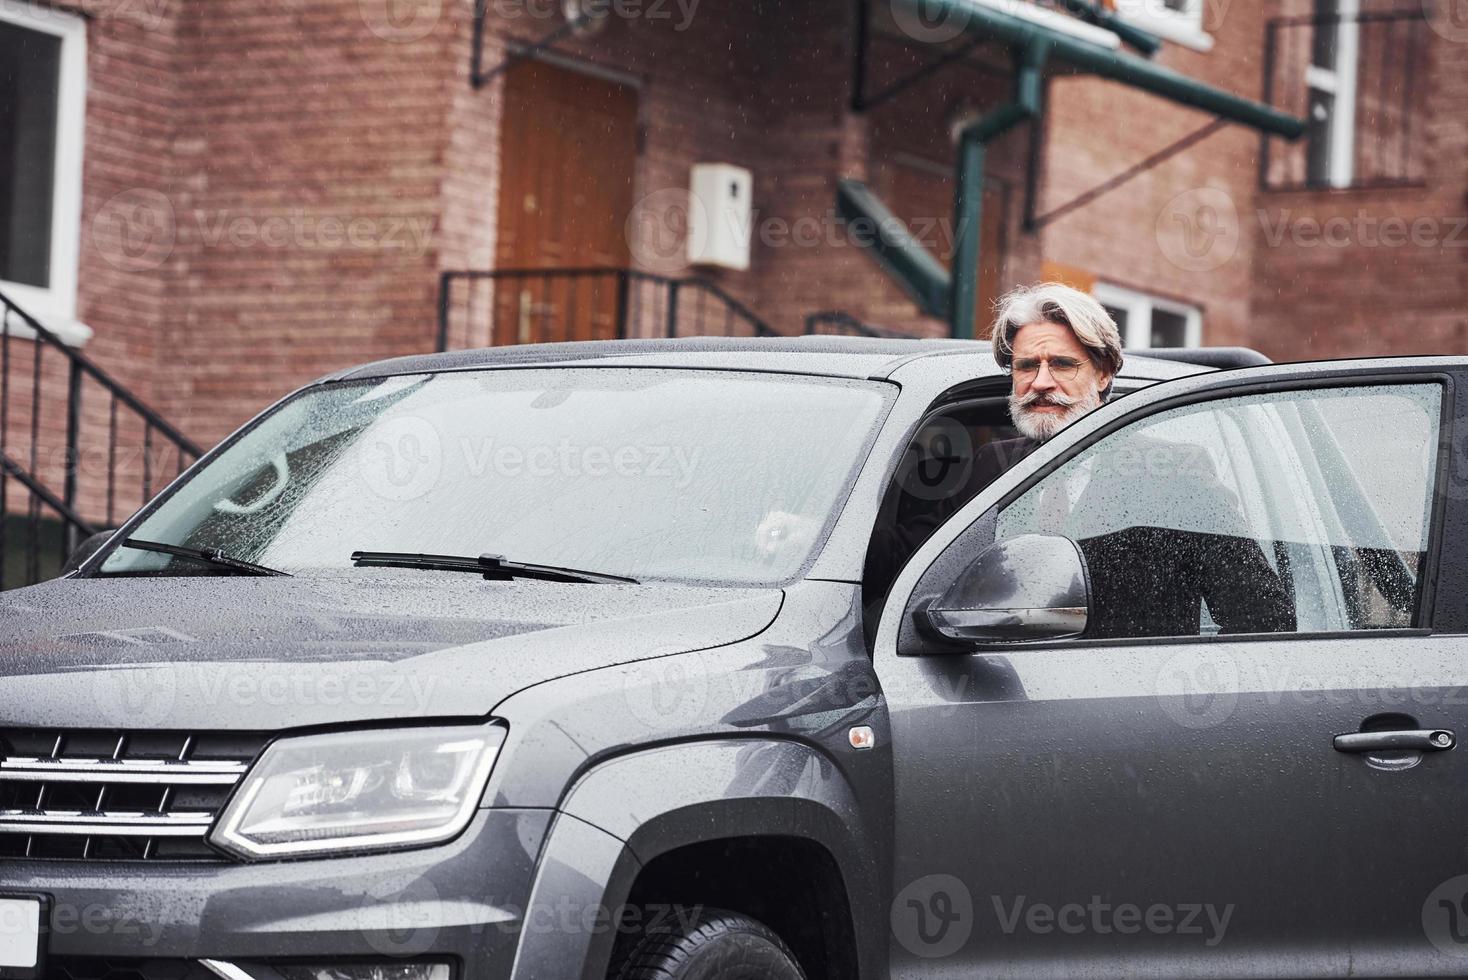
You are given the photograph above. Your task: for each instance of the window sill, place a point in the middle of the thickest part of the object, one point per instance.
(1173, 31)
(71, 332)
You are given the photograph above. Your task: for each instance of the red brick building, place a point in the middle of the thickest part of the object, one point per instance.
(219, 201)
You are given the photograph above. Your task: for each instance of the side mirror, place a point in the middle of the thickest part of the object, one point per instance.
(1030, 587)
(89, 547)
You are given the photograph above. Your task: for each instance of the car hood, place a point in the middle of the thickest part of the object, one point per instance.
(262, 654)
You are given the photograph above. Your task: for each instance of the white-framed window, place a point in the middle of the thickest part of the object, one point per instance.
(1178, 21)
(1335, 42)
(42, 120)
(1151, 321)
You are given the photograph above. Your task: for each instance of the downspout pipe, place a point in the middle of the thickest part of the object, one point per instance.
(968, 202)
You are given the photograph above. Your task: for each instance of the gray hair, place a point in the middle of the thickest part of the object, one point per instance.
(1054, 302)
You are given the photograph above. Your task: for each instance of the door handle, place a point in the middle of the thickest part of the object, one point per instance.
(1422, 740)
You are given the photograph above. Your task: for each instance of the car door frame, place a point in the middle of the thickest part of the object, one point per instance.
(1180, 392)
(943, 555)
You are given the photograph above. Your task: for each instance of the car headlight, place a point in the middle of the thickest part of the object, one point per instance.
(359, 791)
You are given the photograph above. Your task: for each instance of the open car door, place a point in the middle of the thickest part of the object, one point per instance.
(1185, 687)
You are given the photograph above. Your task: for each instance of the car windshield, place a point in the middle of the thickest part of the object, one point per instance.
(711, 476)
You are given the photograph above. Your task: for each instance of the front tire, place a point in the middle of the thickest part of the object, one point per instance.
(713, 945)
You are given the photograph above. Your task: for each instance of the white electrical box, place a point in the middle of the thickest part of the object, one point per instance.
(720, 215)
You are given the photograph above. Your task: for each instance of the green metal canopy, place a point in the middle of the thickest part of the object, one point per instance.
(1036, 42)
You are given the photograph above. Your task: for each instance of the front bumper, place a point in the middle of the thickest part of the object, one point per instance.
(463, 901)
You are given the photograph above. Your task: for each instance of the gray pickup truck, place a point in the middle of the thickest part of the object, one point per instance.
(623, 660)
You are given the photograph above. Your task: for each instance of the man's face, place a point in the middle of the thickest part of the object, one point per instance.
(1055, 381)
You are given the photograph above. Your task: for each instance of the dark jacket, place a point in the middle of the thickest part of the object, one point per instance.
(911, 513)
(1160, 534)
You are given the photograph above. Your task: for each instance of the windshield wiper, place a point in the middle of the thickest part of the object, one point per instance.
(493, 567)
(213, 557)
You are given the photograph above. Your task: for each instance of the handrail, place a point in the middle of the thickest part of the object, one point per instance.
(12, 469)
(32, 388)
(9, 306)
(760, 327)
(553, 304)
(847, 324)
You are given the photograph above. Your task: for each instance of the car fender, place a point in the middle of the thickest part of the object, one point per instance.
(627, 811)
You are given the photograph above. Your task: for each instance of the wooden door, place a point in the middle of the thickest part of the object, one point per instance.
(568, 154)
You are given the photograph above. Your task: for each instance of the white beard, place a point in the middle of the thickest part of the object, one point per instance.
(1042, 426)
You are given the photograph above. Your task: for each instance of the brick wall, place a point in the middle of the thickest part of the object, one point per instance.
(264, 133)
(1366, 271)
(1137, 235)
(312, 145)
(125, 273)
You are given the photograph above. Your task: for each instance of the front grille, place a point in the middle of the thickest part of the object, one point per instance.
(116, 796)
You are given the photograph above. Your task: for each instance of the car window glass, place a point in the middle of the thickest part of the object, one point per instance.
(1263, 513)
(1281, 499)
(1384, 453)
(933, 479)
(647, 473)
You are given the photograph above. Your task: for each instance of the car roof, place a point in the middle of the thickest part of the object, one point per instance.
(844, 357)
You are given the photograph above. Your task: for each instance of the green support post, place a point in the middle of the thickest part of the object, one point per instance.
(968, 201)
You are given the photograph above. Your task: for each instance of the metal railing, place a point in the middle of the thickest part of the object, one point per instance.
(1359, 81)
(839, 323)
(521, 306)
(78, 450)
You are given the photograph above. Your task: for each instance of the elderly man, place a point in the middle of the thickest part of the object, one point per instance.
(1151, 578)
(1062, 350)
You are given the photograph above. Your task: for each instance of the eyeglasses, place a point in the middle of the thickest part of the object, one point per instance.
(1061, 368)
